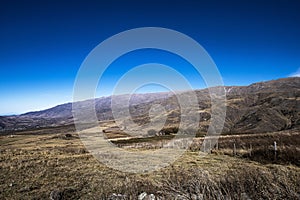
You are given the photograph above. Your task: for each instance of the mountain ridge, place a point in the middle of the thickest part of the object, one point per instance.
(259, 107)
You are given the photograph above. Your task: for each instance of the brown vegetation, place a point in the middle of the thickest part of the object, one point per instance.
(35, 166)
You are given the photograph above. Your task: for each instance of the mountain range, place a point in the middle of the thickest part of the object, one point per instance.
(258, 108)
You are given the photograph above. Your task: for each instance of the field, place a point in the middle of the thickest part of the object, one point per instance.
(40, 164)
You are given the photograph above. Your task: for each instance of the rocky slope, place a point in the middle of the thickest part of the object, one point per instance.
(260, 107)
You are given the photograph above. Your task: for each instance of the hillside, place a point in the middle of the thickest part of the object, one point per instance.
(257, 108)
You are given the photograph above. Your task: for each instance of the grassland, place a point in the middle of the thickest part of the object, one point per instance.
(34, 164)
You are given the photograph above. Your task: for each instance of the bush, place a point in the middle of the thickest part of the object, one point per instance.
(170, 130)
(152, 132)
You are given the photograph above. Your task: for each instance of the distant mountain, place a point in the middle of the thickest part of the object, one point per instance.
(260, 107)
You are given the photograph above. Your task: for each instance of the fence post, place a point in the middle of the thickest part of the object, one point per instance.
(275, 150)
(234, 149)
(204, 145)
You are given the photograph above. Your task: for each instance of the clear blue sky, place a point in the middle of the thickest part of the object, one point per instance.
(43, 43)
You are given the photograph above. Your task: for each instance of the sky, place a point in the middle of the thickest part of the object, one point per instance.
(43, 43)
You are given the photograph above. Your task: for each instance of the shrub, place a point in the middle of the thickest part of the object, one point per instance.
(152, 132)
(170, 130)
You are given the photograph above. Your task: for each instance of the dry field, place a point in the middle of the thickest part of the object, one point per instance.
(35, 164)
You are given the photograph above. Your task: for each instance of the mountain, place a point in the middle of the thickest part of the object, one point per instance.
(260, 107)
(264, 107)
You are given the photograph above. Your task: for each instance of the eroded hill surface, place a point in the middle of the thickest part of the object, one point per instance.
(260, 107)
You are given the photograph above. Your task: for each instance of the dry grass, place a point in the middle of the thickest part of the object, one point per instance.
(32, 166)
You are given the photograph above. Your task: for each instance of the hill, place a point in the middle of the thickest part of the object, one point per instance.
(257, 108)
